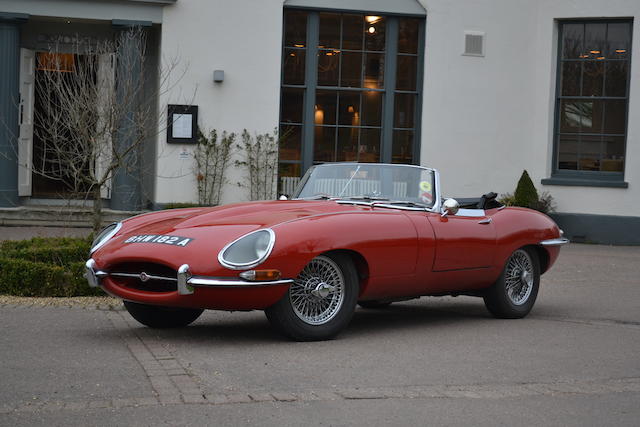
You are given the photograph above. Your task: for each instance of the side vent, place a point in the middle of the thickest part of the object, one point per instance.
(473, 43)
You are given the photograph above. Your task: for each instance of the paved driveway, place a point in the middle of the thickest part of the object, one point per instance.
(573, 361)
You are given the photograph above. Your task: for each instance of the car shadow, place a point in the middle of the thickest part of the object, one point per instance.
(246, 329)
(415, 315)
(254, 328)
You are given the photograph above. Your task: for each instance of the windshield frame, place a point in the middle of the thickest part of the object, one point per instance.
(377, 203)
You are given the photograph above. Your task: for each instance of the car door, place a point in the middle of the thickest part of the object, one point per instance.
(464, 241)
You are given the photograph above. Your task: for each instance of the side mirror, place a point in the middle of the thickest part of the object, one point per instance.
(450, 207)
(283, 197)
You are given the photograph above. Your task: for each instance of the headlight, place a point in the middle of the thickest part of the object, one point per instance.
(104, 235)
(249, 250)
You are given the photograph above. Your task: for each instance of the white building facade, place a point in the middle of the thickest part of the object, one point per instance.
(480, 90)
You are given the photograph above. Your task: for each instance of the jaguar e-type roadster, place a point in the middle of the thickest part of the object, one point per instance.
(352, 233)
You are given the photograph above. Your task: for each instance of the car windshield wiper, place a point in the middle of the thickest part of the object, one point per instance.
(366, 198)
(403, 203)
(317, 197)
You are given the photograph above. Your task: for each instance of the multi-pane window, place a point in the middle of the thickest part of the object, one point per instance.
(350, 87)
(592, 98)
(350, 90)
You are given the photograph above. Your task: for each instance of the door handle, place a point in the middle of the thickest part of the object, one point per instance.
(485, 221)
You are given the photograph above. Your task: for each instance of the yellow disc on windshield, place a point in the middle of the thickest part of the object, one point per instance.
(425, 186)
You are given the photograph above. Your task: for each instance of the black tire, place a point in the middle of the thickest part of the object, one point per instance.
(374, 304)
(155, 316)
(514, 293)
(290, 316)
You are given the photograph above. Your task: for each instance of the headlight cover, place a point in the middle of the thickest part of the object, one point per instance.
(249, 250)
(104, 235)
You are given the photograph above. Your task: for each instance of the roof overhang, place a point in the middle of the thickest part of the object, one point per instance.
(383, 7)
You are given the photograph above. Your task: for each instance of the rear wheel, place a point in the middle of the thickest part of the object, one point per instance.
(320, 302)
(515, 292)
(155, 316)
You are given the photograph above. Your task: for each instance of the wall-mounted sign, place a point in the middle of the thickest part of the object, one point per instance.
(182, 125)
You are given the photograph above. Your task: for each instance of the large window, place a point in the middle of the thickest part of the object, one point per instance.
(592, 99)
(351, 87)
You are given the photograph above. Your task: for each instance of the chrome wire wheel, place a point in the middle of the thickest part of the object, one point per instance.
(318, 292)
(519, 277)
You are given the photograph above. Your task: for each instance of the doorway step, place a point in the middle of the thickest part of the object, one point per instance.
(58, 216)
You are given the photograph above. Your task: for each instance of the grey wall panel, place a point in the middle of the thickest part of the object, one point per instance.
(604, 229)
(9, 102)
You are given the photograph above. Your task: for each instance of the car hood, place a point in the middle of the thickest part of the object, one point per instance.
(253, 215)
(209, 229)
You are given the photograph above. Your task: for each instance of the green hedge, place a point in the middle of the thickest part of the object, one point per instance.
(45, 267)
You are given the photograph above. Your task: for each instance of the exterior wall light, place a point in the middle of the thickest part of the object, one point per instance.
(218, 76)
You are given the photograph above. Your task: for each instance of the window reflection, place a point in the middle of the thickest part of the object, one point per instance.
(352, 32)
(290, 142)
(295, 29)
(294, 62)
(406, 72)
(328, 63)
(408, 35)
(374, 35)
(329, 31)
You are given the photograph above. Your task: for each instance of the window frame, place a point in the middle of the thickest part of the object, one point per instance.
(389, 91)
(582, 177)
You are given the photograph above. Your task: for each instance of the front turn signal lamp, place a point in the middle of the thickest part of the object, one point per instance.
(260, 275)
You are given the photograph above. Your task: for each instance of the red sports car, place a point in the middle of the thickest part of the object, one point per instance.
(353, 233)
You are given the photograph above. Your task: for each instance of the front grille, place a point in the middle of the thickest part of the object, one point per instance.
(144, 276)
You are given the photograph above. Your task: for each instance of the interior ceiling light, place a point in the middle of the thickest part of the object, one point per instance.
(372, 30)
(372, 19)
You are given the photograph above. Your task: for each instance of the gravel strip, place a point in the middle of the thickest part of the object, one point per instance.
(102, 303)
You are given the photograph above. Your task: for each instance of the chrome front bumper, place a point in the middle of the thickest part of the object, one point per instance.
(554, 242)
(185, 281)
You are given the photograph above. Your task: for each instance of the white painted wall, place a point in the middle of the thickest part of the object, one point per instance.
(486, 119)
(241, 37)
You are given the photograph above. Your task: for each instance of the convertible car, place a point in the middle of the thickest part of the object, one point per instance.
(352, 233)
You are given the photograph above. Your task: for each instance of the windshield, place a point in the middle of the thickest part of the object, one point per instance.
(369, 182)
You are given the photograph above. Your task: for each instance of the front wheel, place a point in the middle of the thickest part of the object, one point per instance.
(155, 316)
(515, 292)
(320, 302)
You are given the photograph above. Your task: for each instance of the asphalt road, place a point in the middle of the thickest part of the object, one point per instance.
(575, 360)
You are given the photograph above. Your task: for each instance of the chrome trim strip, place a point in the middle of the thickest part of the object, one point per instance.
(106, 238)
(137, 276)
(249, 265)
(554, 242)
(225, 283)
(378, 204)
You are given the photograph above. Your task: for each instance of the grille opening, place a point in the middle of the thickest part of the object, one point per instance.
(152, 269)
